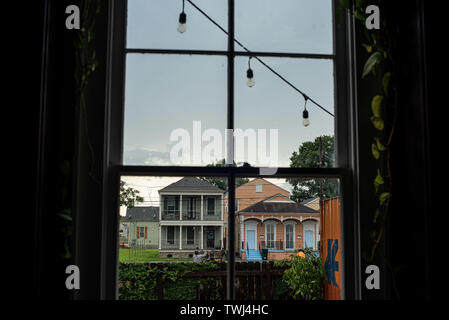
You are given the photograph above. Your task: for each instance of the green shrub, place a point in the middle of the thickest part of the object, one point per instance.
(304, 277)
(138, 281)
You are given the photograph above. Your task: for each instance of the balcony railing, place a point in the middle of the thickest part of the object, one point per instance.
(212, 215)
(190, 245)
(191, 215)
(271, 245)
(170, 215)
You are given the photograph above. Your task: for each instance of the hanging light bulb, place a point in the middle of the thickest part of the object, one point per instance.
(250, 75)
(182, 20)
(305, 114)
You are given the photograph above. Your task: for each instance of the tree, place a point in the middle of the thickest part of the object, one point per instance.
(222, 183)
(128, 195)
(308, 156)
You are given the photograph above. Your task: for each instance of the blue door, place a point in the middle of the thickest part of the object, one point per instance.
(308, 239)
(251, 239)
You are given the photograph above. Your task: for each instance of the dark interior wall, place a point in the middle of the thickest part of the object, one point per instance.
(55, 135)
(406, 250)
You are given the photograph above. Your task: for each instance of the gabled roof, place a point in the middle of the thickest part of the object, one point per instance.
(307, 201)
(142, 214)
(273, 207)
(191, 184)
(277, 197)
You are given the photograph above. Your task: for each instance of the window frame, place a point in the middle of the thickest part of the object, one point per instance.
(345, 129)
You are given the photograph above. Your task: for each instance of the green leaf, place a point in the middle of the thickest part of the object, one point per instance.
(371, 63)
(375, 152)
(368, 48)
(378, 123)
(384, 196)
(359, 15)
(379, 145)
(386, 82)
(378, 181)
(376, 105)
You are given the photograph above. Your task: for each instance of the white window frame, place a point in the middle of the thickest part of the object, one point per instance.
(290, 223)
(270, 223)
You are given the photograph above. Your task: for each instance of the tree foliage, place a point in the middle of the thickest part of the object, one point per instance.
(128, 195)
(308, 156)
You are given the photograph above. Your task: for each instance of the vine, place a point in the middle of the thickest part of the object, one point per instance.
(86, 63)
(380, 63)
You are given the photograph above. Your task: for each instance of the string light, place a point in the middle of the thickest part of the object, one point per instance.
(250, 75)
(182, 20)
(305, 113)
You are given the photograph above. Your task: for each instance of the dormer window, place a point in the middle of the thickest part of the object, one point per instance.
(258, 187)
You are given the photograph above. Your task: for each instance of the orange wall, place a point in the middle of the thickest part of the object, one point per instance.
(331, 231)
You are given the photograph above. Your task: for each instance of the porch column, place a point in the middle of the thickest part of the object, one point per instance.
(180, 237)
(201, 209)
(180, 207)
(221, 237)
(221, 206)
(201, 242)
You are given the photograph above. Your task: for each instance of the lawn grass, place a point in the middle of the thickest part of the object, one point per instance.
(145, 255)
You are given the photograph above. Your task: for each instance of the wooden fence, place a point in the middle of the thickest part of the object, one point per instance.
(255, 280)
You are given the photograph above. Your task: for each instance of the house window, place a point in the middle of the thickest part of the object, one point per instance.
(271, 235)
(171, 235)
(191, 211)
(190, 235)
(142, 232)
(289, 236)
(210, 206)
(258, 187)
(170, 205)
(236, 204)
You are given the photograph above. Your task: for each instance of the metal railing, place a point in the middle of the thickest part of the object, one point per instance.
(170, 244)
(170, 215)
(271, 245)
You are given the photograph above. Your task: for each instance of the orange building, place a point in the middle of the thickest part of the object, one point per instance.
(266, 218)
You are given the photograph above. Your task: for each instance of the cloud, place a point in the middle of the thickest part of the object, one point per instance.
(141, 156)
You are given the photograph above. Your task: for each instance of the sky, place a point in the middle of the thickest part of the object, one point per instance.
(167, 92)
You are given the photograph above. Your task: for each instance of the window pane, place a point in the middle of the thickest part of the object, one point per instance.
(300, 26)
(153, 24)
(164, 95)
(280, 107)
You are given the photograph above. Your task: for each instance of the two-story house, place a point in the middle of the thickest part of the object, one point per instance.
(191, 218)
